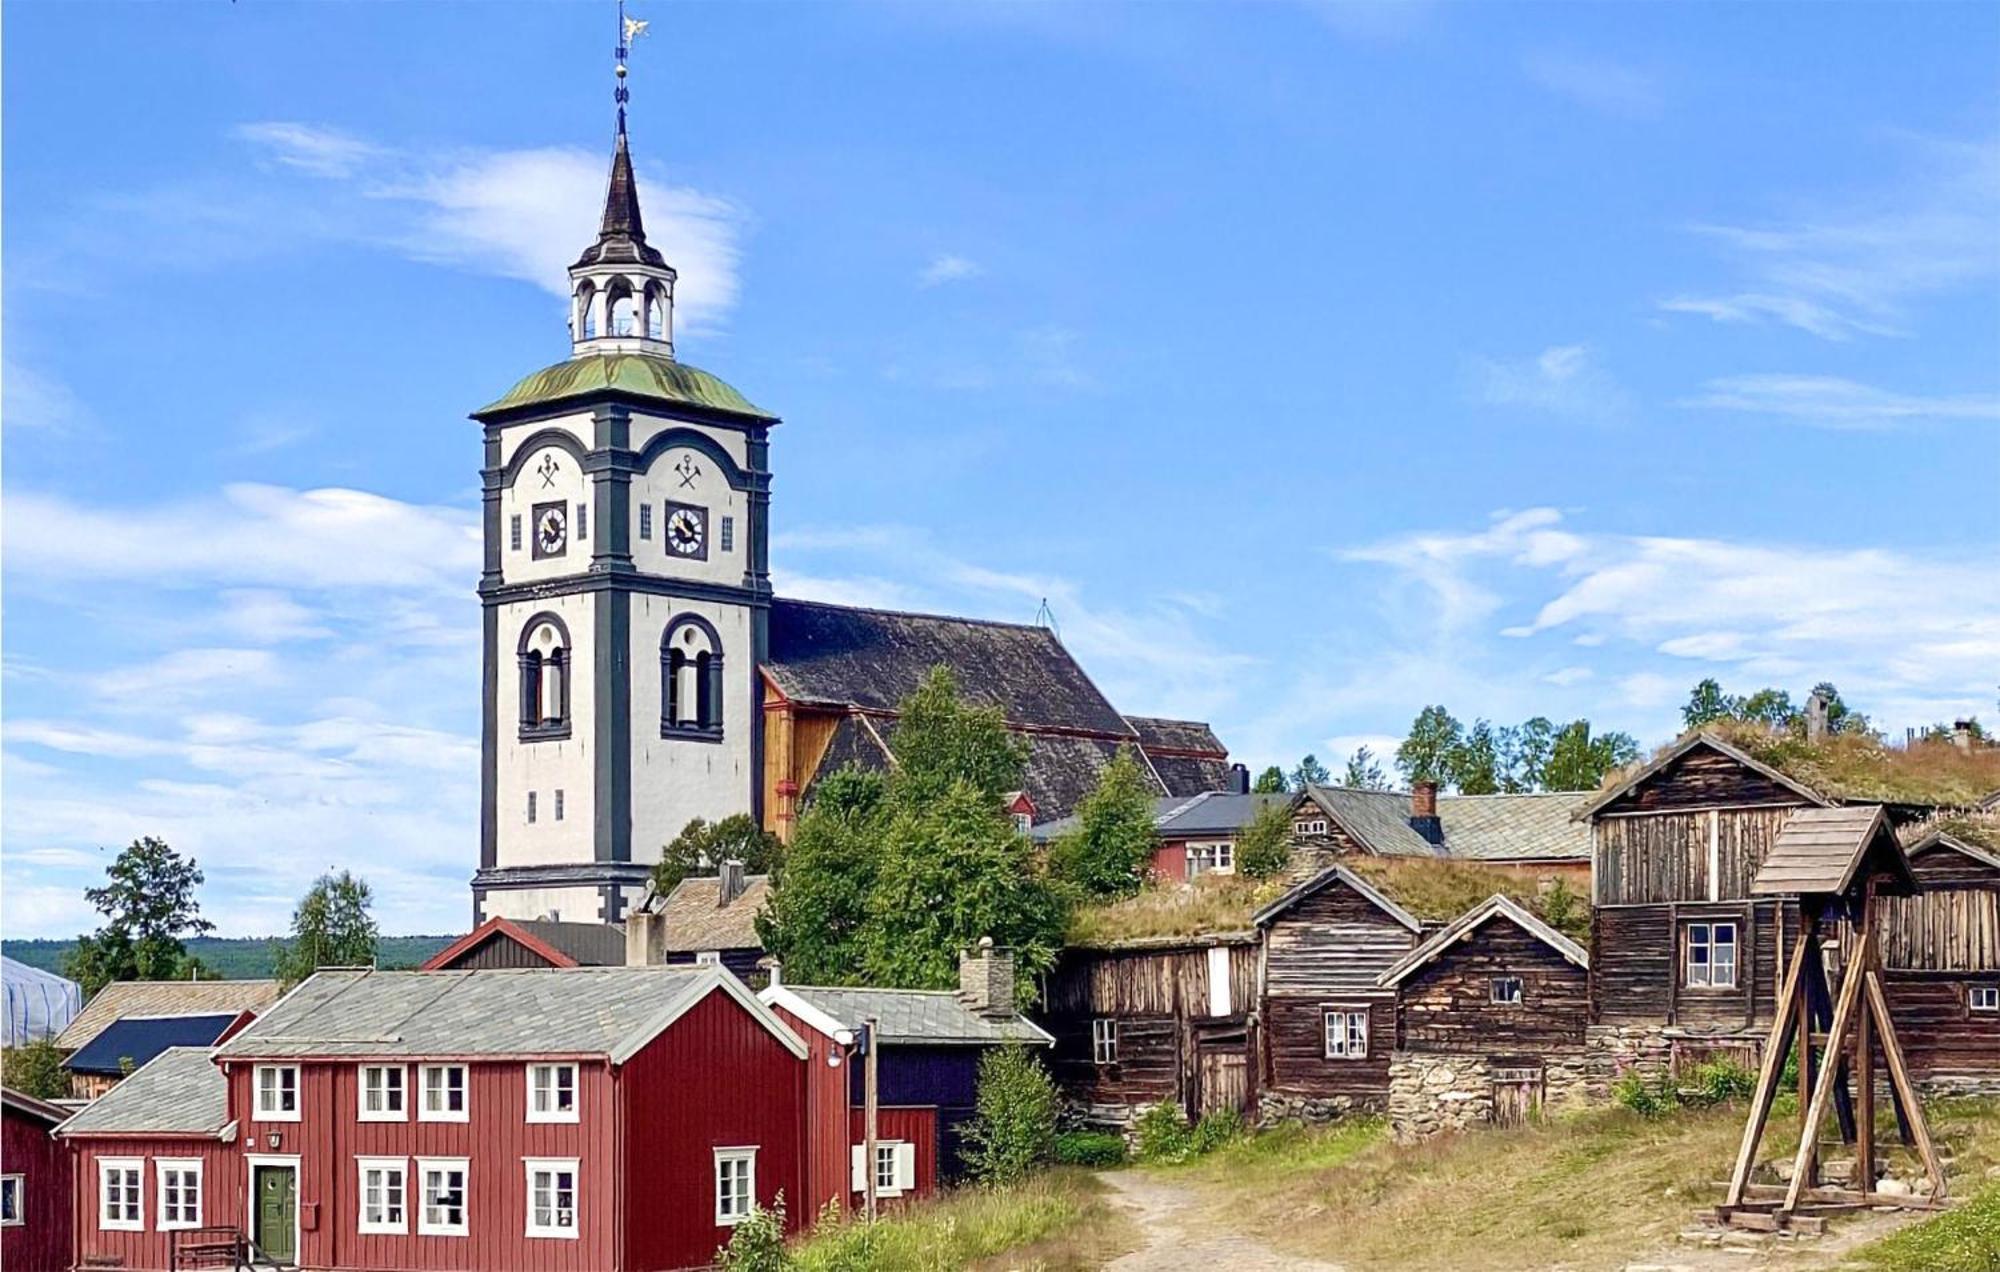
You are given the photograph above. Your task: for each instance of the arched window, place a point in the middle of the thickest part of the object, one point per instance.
(622, 306)
(586, 311)
(656, 311)
(545, 672)
(691, 680)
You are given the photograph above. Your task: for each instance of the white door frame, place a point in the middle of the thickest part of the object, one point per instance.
(251, 1161)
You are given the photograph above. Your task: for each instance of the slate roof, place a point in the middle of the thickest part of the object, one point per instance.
(1533, 827)
(692, 921)
(182, 1092)
(1186, 754)
(138, 1039)
(934, 1017)
(1496, 906)
(1218, 812)
(164, 998)
(1164, 806)
(1821, 850)
(608, 1011)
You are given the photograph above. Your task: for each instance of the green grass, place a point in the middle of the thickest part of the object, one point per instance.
(1056, 1221)
(1285, 1149)
(1963, 1240)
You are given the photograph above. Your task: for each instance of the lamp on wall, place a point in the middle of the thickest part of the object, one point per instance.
(274, 1139)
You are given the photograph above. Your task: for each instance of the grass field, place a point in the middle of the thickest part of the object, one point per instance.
(1057, 1222)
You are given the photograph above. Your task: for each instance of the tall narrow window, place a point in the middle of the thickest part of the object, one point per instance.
(582, 522)
(645, 521)
(729, 534)
(735, 1185)
(531, 808)
(1104, 1041)
(691, 683)
(551, 1197)
(441, 1203)
(514, 532)
(559, 803)
(544, 655)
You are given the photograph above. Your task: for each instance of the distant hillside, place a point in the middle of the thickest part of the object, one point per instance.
(235, 957)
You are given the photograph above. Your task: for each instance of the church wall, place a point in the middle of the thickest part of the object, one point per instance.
(705, 486)
(550, 765)
(677, 779)
(646, 427)
(578, 905)
(577, 424)
(549, 474)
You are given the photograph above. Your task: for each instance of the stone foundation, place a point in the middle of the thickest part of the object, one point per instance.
(1434, 1092)
(1280, 1106)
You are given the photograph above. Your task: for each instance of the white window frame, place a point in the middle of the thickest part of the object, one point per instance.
(365, 1085)
(425, 1165)
(188, 1167)
(726, 1216)
(16, 1188)
(1708, 943)
(1344, 1048)
(1310, 826)
(554, 1114)
(708, 958)
(134, 1169)
(555, 1165)
(1982, 998)
(900, 1159)
(1210, 856)
(401, 1165)
(1518, 998)
(1104, 1040)
(425, 1113)
(262, 1114)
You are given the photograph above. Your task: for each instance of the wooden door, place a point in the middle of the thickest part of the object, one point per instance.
(1225, 1082)
(1517, 1096)
(277, 1212)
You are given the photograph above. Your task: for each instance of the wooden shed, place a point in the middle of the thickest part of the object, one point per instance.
(1941, 958)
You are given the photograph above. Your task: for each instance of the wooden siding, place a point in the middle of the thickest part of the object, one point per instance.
(824, 1166)
(1670, 856)
(1295, 1050)
(1703, 778)
(717, 1079)
(496, 951)
(1941, 1038)
(1941, 930)
(912, 1124)
(41, 1239)
(1328, 951)
(225, 1184)
(1635, 964)
(944, 1078)
(1447, 1005)
(1168, 982)
(1147, 1070)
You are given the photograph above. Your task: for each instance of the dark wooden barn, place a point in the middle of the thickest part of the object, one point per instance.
(1491, 1013)
(1941, 958)
(1328, 1025)
(525, 943)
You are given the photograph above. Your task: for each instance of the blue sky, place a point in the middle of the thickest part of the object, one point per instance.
(1316, 362)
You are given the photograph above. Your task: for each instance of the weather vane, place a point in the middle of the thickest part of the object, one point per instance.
(628, 30)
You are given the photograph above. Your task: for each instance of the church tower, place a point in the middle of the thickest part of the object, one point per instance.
(625, 594)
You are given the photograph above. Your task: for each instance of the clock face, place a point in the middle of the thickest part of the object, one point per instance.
(687, 531)
(551, 530)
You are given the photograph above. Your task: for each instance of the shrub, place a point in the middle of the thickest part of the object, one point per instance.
(1655, 1098)
(758, 1244)
(1265, 848)
(1014, 1128)
(36, 1069)
(1090, 1148)
(1565, 909)
(1717, 1082)
(1216, 1129)
(1163, 1134)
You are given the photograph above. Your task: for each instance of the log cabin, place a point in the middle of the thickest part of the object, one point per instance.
(1328, 1025)
(1491, 1012)
(583, 1118)
(1142, 1022)
(1941, 958)
(34, 1184)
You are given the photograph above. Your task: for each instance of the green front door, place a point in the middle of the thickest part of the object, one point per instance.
(277, 1212)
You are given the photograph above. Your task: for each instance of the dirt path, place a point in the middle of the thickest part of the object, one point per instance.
(1162, 1209)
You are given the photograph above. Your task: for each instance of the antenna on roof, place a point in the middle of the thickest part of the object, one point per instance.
(1046, 617)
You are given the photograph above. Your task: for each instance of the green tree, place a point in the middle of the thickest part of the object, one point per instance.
(1364, 771)
(330, 928)
(1265, 846)
(1579, 761)
(1013, 1129)
(1524, 752)
(1426, 755)
(941, 740)
(36, 1069)
(702, 847)
(1474, 765)
(1310, 772)
(818, 905)
(954, 870)
(1270, 782)
(1707, 703)
(149, 906)
(1768, 706)
(1108, 853)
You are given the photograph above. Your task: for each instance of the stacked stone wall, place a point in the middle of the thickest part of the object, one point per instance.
(1431, 1093)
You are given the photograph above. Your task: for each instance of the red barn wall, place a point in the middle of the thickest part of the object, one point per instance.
(225, 1183)
(42, 1239)
(717, 1079)
(825, 1163)
(911, 1123)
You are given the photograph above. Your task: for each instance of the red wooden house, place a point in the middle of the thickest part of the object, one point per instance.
(34, 1186)
(580, 1119)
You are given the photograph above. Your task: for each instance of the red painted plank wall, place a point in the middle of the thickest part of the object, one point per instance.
(42, 1239)
(225, 1183)
(911, 1123)
(495, 1140)
(717, 1079)
(825, 1163)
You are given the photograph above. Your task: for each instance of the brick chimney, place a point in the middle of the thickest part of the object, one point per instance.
(729, 881)
(1424, 812)
(986, 980)
(1815, 718)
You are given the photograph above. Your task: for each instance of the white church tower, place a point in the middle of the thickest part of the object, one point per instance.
(626, 594)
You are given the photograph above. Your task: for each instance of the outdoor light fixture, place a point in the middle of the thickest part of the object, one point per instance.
(272, 1139)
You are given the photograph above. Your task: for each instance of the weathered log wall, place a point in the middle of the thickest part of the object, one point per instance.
(1636, 959)
(1447, 1006)
(1702, 855)
(1327, 951)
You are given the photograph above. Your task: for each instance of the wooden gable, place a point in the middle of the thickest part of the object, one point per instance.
(1705, 773)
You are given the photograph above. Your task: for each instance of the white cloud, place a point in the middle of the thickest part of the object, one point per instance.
(1562, 677)
(311, 148)
(1826, 401)
(1839, 272)
(1598, 83)
(34, 400)
(948, 268)
(1562, 380)
(185, 673)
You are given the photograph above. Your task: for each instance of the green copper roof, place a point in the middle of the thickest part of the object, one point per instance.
(645, 375)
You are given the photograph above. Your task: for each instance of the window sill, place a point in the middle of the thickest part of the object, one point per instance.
(690, 733)
(545, 732)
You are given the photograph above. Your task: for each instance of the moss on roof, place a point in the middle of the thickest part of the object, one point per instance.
(645, 375)
(1861, 767)
(1439, 891)
(1981, 831)
(1211, 905)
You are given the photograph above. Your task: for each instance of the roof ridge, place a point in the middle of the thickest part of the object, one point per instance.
(942, 618)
